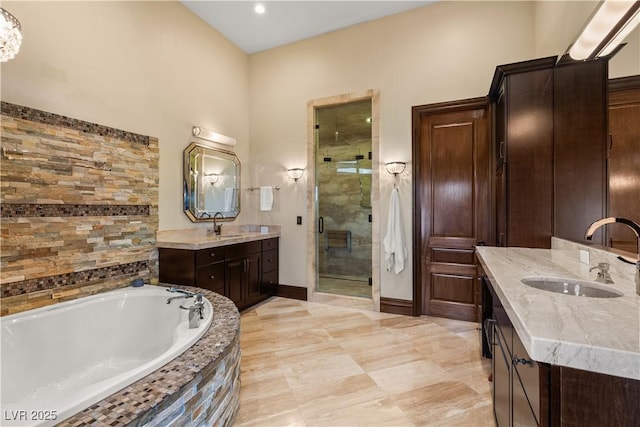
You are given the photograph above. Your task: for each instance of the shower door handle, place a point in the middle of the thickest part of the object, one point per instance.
(321, 225)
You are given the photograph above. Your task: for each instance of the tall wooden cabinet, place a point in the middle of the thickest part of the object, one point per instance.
(580, 148)
(522, 94)
(549, 140)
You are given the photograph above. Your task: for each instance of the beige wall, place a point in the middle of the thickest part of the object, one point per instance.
(559, 23)
(155, 68)
(148, 67)
(436, 53)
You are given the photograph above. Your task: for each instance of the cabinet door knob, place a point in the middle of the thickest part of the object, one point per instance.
(212, 277)
(269, 260)
(212, 254)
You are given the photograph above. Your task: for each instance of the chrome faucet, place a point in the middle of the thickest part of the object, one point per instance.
(196, 312)
(217, 228)
(633, 226)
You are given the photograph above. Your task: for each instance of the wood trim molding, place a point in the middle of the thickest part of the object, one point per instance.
(293, 292)
(624, 83)
(518, 67)
(396, 306)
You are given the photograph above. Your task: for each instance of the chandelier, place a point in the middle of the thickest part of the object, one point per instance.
(10, 36)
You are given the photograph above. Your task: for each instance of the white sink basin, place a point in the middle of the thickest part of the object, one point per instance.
(572, 287)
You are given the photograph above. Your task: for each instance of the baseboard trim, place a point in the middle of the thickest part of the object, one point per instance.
(293, 292)
(396, 306)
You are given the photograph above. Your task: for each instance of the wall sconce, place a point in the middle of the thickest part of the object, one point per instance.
(212, 136)
(395, 168)
(295, 173)
(212, 178)
(612, 22)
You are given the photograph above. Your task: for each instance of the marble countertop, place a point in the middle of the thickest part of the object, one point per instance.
(594, 334)
(197, 238)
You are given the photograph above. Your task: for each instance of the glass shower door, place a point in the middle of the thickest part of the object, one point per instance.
(343, 198)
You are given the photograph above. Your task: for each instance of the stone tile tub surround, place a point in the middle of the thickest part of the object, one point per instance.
(68, 358)
(593, 334)
(199, 387)
(197, 238)
(79, 207)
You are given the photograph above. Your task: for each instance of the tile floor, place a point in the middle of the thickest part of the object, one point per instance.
(309, 364)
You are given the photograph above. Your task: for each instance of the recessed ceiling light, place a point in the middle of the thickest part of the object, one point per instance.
(259, 9)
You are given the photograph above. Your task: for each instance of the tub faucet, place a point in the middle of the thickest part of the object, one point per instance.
(196, 312)
(633, 226)
(185, 294)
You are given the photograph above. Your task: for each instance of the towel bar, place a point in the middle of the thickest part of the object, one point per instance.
(257, 188)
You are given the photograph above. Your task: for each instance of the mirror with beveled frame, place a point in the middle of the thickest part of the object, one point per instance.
(211, 183)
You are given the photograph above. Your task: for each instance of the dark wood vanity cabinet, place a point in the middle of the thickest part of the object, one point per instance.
(529, 393)
(246, 273)
(520, 385)
(243, 273)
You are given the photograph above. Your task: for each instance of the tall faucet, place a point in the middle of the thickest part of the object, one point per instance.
(217, 228)
(633, 226)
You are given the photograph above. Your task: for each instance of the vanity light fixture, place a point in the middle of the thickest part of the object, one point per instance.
(212, 136)
(10, 36)
(295, 173)
(395, 168)
(612, 22)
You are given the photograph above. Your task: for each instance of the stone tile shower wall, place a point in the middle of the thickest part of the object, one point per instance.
(345, 205)
(79, 208)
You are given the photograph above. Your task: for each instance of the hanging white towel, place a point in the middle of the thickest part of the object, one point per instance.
(266, 198)
(229, 199)
(395, 250)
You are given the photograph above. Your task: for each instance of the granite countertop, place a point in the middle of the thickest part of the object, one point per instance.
(593, 334)
(197, 238)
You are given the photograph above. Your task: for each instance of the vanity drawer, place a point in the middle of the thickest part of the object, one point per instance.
(209, 255)
(528, 373)
(268, 244)
(211, 277)
(269, 260)
(243, 249)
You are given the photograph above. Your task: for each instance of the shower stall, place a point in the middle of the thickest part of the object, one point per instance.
(343, 168)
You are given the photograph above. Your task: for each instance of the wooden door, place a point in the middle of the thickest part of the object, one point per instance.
(453, 204)
(624, 159)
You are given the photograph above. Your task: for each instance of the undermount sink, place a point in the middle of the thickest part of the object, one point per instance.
(572, 287)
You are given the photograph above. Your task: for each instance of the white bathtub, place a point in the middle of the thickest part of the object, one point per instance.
(61, 359)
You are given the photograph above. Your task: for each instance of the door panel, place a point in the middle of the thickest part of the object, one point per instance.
(452, 181)
(445, 287)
